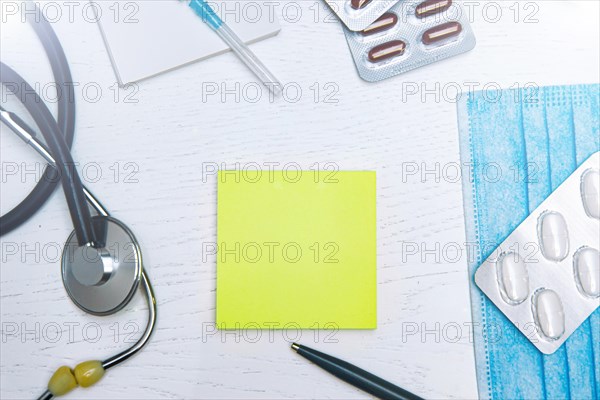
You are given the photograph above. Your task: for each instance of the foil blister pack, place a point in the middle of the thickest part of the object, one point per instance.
(358, 14)
(545, 276)
(410, 35)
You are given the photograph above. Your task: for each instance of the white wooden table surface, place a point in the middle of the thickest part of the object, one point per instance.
(145, 160)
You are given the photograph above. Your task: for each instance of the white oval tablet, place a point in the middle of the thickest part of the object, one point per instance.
(590, 192)
(513, 278)
(549, 314)
(553, 235)
(587, 271)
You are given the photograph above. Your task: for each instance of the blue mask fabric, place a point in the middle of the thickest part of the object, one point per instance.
(519, 145)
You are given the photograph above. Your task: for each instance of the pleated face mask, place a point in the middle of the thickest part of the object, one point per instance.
(520, 145)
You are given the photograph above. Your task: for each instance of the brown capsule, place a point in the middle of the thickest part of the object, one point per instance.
(387, 50)
(358, 4)
(441, 32)
(431, 7)
(383, 23)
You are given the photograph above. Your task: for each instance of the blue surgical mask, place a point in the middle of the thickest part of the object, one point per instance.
(532, 139)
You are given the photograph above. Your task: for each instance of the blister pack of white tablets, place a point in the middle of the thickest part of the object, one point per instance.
(410, 35)
(358, 14)
(545, 276)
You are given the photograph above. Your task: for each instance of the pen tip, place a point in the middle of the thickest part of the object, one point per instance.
(295, 346)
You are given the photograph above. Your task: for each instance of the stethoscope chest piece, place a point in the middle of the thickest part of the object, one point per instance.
(102, 279)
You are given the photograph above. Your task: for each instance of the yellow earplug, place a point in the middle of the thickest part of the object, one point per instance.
(85, 375)
(89, 372)
(62, 382)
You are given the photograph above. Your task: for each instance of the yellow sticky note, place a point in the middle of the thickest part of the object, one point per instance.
(296, 249)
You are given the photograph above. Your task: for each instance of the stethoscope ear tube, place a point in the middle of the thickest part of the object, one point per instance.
(72, 186)
(66, 124)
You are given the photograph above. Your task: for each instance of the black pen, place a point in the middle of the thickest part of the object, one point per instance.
(355, 376)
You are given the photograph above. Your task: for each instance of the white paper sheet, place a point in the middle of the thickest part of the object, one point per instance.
(145, 38)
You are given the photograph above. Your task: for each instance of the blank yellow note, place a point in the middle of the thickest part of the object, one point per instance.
(296, 250)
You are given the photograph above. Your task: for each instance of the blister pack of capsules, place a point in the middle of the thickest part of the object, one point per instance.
(545, 276)
(358, 14)
(410, 35)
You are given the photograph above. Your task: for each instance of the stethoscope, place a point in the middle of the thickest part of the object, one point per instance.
(101, 262)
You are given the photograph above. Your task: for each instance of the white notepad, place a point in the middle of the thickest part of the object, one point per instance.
(159, 35)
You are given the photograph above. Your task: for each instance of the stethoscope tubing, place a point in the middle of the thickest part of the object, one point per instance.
(71, 182)
(26, 134)
(66, 122)
(59, 138)
(126, 354)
